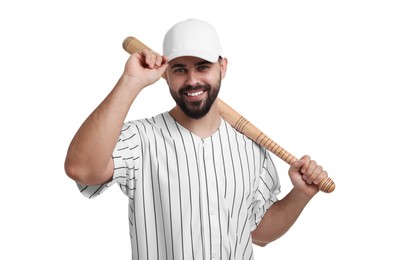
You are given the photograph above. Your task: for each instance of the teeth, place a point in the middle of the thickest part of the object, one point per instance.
(194, 94)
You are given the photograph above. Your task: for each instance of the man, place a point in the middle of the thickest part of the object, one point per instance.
(197, 188)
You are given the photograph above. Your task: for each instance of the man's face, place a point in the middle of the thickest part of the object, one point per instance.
(195, 83)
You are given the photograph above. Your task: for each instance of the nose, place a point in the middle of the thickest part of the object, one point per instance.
(193, 79)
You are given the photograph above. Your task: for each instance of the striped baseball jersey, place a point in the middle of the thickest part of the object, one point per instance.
(190, 198)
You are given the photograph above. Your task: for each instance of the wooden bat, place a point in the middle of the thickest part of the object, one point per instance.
(241, 124)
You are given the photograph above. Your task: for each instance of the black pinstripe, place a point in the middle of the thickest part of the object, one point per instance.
(190, 198)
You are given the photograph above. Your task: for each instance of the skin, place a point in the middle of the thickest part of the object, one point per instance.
(100, 131)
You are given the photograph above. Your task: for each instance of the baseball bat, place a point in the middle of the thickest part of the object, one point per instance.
(241, 124)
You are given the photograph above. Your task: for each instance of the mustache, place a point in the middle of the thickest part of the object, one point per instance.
(193, 88)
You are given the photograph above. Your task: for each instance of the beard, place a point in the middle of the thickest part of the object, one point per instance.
(197, 109)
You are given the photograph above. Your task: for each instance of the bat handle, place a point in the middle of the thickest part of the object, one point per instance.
(241, 124)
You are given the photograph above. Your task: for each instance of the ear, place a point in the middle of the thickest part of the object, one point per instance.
(223, 65)
(166, 75)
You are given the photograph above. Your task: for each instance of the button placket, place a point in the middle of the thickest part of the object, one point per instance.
(213, 198)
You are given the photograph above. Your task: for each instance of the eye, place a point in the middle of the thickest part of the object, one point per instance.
(179, 70)
(203, 67)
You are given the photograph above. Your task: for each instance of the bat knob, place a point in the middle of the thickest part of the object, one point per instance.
(327, 185)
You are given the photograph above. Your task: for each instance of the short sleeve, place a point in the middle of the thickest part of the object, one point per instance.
(266, 193)
(126, 159)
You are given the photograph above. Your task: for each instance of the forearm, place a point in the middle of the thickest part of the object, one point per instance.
(280, 217)
(91, 148)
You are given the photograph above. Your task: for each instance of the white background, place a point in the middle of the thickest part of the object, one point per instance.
(319, 77)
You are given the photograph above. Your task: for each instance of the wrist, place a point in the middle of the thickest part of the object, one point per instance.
(131, 83)
(304, 194)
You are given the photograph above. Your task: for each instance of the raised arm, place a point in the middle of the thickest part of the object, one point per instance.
(89, 157)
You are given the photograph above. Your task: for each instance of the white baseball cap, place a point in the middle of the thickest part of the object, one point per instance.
(192, 37)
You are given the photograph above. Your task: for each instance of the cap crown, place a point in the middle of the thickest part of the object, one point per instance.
(192, 37)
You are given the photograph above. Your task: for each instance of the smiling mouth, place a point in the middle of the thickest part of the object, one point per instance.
(194, 94)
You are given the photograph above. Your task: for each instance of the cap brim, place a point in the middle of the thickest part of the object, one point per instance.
(209, 56)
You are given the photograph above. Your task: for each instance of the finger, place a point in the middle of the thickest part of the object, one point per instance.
(306, 165)
(308, 169)
(297, 165)
(150, 58)
(320, 177)
(159, 61)
(313, 173)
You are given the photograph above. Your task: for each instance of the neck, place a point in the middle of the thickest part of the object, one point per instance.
(203, 127)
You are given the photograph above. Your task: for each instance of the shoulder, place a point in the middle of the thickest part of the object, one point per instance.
(148, 126)
(145, 123)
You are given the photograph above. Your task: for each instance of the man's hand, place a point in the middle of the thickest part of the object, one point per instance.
(145, 67)
(306, 174)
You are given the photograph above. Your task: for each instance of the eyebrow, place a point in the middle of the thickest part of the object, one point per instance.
(180, 65)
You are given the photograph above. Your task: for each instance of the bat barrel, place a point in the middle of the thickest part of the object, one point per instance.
(132, 44)
(244, 126)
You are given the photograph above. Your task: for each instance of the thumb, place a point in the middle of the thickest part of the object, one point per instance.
(162, 69)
